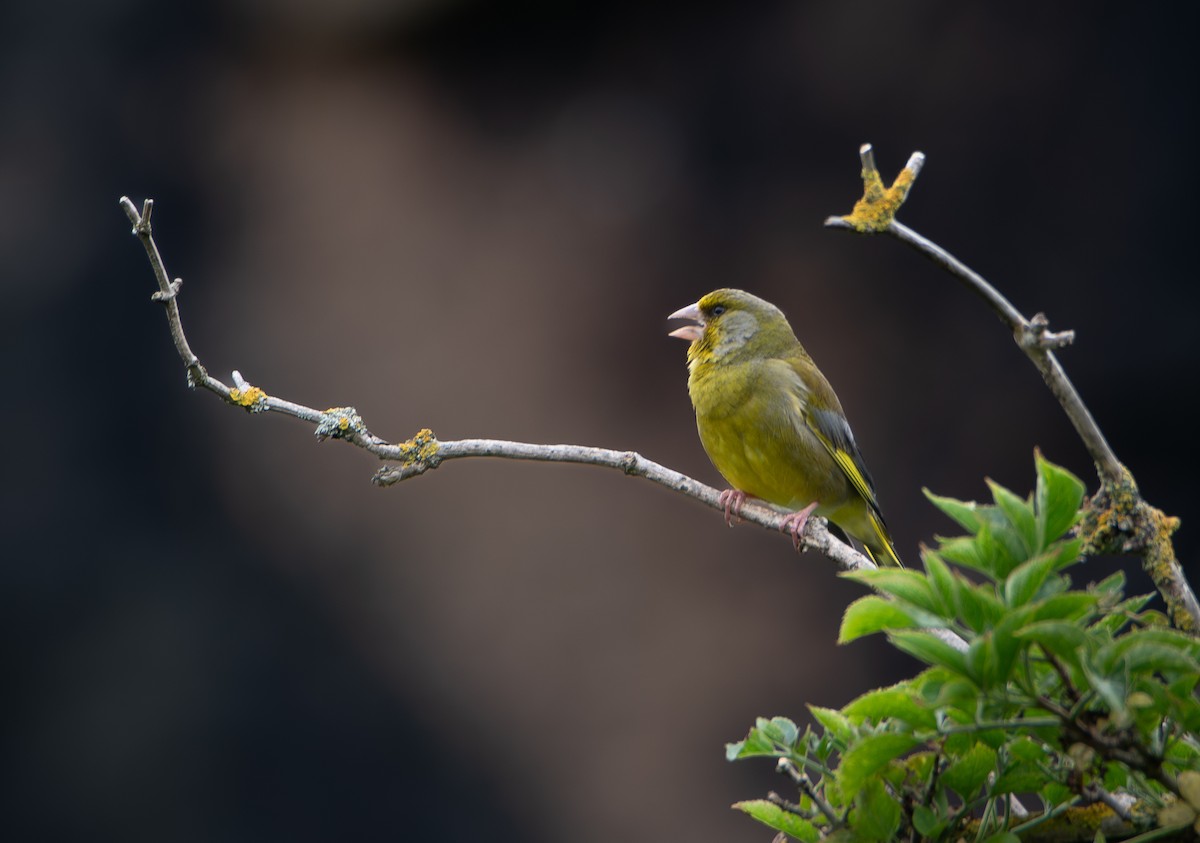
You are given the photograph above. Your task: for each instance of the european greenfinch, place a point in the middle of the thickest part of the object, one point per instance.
(771, 423)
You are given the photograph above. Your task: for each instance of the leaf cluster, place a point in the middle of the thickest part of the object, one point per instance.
(1067, 697)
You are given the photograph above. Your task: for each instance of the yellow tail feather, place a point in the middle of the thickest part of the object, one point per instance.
(883, 554)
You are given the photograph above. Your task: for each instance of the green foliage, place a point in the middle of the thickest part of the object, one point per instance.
(1030, 686)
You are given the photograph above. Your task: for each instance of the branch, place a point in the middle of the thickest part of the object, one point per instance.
(425, 452)
(873, 214)
(801, 780)
(1118, 519)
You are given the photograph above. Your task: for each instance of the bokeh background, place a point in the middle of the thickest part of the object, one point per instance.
(475, 217)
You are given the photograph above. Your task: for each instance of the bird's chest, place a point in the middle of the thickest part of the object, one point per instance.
(754, 431)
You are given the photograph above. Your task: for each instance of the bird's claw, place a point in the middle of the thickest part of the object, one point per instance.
(732, 500)
(796, 522)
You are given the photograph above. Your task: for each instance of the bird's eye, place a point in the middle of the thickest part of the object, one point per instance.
(718, 309)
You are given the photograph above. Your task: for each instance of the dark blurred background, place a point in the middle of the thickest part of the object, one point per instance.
(475, 217)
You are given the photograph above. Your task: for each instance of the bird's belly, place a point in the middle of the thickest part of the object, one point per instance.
(775, 460)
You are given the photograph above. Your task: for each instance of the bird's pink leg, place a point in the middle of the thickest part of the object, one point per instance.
(732, 500)
(796, 522)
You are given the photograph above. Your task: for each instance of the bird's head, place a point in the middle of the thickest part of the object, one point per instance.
(729, 325)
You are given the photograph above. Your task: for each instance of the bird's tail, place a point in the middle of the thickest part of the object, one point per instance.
(880, 548)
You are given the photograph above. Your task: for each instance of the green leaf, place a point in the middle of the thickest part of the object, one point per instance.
(1025, 777)
(756, 744)
(1020, 517)
(990, 657)
(1070, 605)
(1108, 679)
(877, 814)
(773, 816)
(894, 703)
(1027, 749)
(1026, 579)
(942, 583)
(1186, 712)
(920, 765)
(1112, 586)
(1183, 755)
(1118, 616)
(1179, 642)
(959, 743)
(994, 550)
(1063, 640)
(1003, 544)
(1056, 499)
(774, 737)
(836, 723)
(976, 552)
(902, 583)
(927, 823)
(928, 684)
(1148, 702)
(779, 730)
(929, 649)
(871, 614)
(1069, 551)
(1158, 657)
(962, 512)
(1116, 777)
(959, 694)
(978, 606)
(1007, 645)
(1055, 794)
(866, 759)
(1184, 686)
(1002, 837)
(982, 664)
(968, 774)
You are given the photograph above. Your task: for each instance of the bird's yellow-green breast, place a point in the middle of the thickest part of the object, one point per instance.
(769, 420)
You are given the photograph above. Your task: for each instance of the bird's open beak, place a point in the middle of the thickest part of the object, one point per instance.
(691, 333)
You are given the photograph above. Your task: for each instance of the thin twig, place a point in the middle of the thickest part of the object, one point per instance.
(1030, 334)
(789, 806)
(1148, 531)
(802, 781)
(1035, 340)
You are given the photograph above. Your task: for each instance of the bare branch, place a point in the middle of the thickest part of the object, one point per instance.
(877, 208)
(425, 452)
(1139, 527)
(1034, 339)
(802, 781)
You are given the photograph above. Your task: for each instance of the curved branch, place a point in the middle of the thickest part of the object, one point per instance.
(1118, 518)
(1034, 338)
(1030, 334)
(424, 452)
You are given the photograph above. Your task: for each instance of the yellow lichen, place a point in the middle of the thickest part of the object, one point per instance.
(1079, 823)
(422, 448)
(877, 207)
(251, 398)
(340, 423)
(1118, 520)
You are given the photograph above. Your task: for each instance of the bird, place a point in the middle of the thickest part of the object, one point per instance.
(772, 425)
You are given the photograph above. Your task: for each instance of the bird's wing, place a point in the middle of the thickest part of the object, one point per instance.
(824, 417)
(834, 433)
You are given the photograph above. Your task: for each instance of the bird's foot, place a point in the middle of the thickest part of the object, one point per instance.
(796, 522)
(732, 500)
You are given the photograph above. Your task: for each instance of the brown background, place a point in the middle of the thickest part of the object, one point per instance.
(475, 217)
